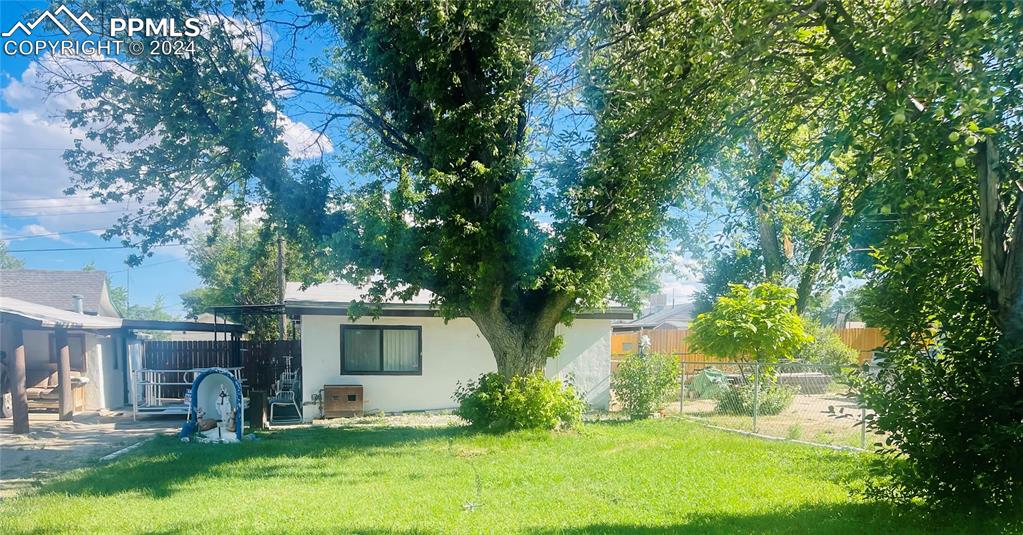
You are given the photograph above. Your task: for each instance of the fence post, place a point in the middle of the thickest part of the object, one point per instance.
(863, 428)
(756, 394)
(682, 388)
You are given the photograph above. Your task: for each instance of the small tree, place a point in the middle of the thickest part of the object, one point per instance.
(642, 382)
(756, 323)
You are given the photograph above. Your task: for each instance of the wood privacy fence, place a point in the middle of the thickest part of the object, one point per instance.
(261, 361)
(674, 341)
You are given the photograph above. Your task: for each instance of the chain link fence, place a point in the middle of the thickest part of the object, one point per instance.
(794, 401)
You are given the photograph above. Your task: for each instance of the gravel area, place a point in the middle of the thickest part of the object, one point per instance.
(53, 447)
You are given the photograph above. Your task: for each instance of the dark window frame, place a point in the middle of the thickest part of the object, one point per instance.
(55, 359)
(381, 328)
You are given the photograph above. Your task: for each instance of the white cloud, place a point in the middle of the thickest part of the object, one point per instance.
(34, 136)
(303, 142)
(681, 282)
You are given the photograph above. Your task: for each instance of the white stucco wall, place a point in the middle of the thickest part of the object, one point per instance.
(113, 378)
(452, 352)
(95, 389)
(586, 360)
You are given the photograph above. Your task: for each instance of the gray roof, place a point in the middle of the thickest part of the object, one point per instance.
(321, 298)
(55, 288)
(47, 316)
(677, 316)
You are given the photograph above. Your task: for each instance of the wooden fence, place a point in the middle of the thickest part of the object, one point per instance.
(188, 354)
(261, 361)
(865, 340)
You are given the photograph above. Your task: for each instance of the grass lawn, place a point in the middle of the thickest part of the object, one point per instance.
(659, 476)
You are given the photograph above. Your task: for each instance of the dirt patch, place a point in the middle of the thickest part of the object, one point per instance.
(54, 447)
(823, 418)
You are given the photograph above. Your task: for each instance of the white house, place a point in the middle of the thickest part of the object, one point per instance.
(97, 352)
(409, 359)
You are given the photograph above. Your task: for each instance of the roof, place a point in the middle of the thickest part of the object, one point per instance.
(47, 316)
(676, 316)
(55, 288)
(42, 316)
(334, 298)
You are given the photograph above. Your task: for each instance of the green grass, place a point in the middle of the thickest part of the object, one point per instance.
(652, 477)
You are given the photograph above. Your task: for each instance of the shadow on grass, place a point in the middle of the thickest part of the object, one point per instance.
(166, 463)
(827, 519)
(831, 519)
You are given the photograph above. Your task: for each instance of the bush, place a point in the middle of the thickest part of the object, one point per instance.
(828, 349)
(643, 382)
(524, 402)
(773, 399)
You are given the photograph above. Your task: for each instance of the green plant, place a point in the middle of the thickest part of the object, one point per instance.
(531, 401)
(755, 323)
(828, 349)
(772, 399)
(643, 382)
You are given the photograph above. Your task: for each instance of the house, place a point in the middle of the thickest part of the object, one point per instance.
(410, 359)
(667, 317)
(79, 298)
(44, 312)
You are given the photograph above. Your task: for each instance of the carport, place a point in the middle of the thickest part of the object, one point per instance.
(17, 317)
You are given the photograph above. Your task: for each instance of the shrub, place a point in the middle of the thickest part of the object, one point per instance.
(828, 349)
(773, 399)
(524, 402)
(756, 323)
(643, 382)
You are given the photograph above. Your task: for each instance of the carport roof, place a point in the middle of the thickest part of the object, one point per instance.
(47, 317)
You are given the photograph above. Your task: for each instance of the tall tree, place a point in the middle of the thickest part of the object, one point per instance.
(239, 267)
(8, 260)
(470, 189)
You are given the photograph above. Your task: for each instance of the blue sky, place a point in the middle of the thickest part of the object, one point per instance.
(34, 213)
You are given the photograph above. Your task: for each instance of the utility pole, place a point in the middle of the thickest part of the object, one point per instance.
(283, 320)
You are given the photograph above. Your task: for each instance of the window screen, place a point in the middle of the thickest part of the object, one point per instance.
(381, 350)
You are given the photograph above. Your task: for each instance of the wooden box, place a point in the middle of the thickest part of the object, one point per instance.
(342, 401)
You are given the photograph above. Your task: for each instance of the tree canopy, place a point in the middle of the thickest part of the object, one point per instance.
(528, 160)
(757, 323)
(469, 181)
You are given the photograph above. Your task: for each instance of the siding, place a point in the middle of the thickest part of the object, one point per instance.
(453, 352)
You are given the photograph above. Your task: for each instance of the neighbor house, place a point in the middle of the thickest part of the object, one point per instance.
(409, 358)
(96, 346)
(40, 307)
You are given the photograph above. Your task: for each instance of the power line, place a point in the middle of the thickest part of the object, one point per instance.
(125, 211)
(29, 236)
(78, 201)
(148, 265)
(102, 248)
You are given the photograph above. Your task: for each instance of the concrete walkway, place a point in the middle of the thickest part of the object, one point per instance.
(54, 447)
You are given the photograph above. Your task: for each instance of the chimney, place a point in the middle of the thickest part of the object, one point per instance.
(79, 305)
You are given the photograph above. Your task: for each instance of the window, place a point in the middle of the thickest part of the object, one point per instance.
(367, 350)
(76, 346)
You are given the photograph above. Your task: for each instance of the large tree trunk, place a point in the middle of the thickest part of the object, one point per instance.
(1002, 264)
(523, 343)
(814, 260)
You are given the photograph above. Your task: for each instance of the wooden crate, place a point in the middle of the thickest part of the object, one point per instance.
(342, 401)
